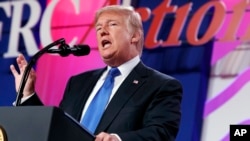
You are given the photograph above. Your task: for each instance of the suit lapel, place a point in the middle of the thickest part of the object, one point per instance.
(86, 91)
(134, 81)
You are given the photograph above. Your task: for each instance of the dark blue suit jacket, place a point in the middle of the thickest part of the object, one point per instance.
(147, 106)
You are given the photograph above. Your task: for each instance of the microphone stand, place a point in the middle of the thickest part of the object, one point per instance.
(29, 66)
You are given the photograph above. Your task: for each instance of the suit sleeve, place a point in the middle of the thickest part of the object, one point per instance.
(32, 101)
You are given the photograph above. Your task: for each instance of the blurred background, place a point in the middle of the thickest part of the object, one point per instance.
(203, 43)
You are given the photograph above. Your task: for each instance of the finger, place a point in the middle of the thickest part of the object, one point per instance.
(21, 56)
(32, 75)
(105, 137)
(21, 62)
(13, 70)
(23, 66)
(100, 136)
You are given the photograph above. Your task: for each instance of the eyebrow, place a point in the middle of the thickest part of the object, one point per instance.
(108, 21)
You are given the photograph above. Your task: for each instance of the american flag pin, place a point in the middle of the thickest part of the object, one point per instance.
(135, 81)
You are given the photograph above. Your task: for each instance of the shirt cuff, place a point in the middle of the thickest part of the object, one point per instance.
(119, 139)
(24, 99)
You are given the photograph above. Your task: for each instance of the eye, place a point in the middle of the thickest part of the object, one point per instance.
(98, 28)
(112, 24)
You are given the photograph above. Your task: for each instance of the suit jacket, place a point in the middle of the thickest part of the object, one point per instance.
(147, 106)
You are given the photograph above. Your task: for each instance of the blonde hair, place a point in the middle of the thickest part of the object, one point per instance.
(133, 17)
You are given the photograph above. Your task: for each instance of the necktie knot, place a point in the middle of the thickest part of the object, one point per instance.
(113, 72)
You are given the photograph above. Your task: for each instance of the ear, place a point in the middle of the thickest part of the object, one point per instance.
(136, 37)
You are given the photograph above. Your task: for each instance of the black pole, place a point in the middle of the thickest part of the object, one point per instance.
(29, 66)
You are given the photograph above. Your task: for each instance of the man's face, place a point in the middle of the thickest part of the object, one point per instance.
(114, 36)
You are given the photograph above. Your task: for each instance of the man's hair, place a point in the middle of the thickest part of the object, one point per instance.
(133, 17)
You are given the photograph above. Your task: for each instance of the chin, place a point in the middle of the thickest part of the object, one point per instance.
(110, 62)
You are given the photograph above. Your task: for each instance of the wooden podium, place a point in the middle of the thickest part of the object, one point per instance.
(40, 123)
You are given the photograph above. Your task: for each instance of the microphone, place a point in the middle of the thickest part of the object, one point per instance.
(77, 50)
(63, 50)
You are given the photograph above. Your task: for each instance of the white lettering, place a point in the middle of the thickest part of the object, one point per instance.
(45, 27)
(77, 6)
(240, 132)
(237, 132)
(26, 30)
(1, 30)
(243, 131)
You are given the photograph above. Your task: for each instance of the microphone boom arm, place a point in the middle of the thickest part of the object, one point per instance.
(29, 66)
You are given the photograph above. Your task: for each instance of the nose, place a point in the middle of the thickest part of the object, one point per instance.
(104, 31)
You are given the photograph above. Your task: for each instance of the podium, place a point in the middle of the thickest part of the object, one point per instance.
(40, 123)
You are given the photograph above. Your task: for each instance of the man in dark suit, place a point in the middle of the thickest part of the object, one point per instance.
(144, 104)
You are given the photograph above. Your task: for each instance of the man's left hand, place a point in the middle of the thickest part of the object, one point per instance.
(106, 137)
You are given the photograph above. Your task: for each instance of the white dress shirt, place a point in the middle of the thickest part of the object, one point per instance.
(125, 69)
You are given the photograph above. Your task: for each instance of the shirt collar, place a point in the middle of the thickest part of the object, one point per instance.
(127, 67)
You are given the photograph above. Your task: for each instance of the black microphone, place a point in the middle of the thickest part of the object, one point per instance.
(63, 50)
(77, 50)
